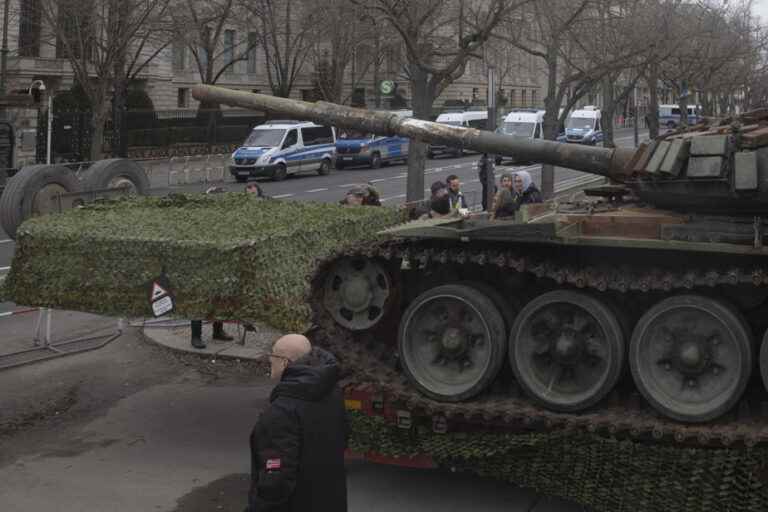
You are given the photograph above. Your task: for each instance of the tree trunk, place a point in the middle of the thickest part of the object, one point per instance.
(652, 116)
(119, 125)
(422, 101)
(98, 118)
(551, 116)
(608, 112)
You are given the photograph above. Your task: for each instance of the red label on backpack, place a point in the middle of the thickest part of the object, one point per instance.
(273, 464)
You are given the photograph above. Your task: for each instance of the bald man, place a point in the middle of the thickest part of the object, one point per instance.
(297, 446)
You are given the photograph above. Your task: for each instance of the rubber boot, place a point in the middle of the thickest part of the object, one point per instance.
(219, 334)
(197, 334)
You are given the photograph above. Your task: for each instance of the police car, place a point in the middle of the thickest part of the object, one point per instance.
(583, 127)
(279, 148)
(357, 148)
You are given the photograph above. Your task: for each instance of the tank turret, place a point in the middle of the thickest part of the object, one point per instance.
(707, 169)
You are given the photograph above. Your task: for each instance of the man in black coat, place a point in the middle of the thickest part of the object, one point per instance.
(297, 446)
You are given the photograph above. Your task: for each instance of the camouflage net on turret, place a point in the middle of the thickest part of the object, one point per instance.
(227, 256)
(605, 474)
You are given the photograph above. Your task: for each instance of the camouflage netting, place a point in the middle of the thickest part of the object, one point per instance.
(227, 256)
(608, 475)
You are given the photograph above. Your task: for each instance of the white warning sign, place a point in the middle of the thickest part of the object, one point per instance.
(157, 292)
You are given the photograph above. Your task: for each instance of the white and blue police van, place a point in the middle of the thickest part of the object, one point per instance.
(279, 148)
(583, 126)
(521, 123)
(468, 119)
(669, 115)
(360, 148)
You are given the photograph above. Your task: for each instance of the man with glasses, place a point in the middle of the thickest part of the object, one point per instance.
(297, 446)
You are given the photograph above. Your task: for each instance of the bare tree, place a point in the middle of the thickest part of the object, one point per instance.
(440, 37)
(202, 27)
(94, 35)
(283, 30)
(343, 53)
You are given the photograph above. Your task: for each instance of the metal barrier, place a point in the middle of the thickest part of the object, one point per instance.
(43, 346)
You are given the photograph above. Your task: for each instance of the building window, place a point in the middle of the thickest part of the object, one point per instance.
(358, 97)
(253, 39)
(179, 56)
(229, 47)
(512, 98)
(533, 98)
(72, 26)
(182, 100)
(29, 28)
(523, 99)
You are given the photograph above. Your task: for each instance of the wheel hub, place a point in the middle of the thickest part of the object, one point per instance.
(567, 348)
(122, 182)
(356, 293)
(454, 341)
(692, 357)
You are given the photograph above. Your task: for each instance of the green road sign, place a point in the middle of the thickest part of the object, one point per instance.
(387, 87)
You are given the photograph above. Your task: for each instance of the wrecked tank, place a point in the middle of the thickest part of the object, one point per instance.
(641, 310)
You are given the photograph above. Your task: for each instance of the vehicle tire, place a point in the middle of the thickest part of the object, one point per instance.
(241, 179)
(325, 167)
(691, 357)
(498, 160)
(115, 173)
(375, 161)
(339, 165)
(451, 342)
(566, 349)
(280, 173)
(671, 125)
(30, 192)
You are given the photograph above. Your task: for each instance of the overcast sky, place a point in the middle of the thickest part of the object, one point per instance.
(760, 8)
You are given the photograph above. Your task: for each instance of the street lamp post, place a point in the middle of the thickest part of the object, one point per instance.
(4, 50)
(490, 179)
(40, 86)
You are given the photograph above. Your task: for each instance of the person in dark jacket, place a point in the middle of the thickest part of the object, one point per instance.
(525, 189)
(483, 167)
(297, 446)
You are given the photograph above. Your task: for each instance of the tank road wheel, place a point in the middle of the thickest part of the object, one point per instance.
(357, 292)
(566, 349)
(116, 173)
(451, 342)
(33, 191)
(691, 357)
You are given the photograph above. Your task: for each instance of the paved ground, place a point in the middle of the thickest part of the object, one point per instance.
(136, 427)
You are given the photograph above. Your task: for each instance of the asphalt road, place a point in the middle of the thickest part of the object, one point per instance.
(132, 427)
(168, 177)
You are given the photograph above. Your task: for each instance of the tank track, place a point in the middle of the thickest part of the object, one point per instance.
(372, 363)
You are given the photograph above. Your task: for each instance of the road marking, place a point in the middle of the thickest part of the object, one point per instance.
(3, 269)
(316, 190)
(6, 241)
(378, 180)
(282, 196)
(347, 185)
(399, 196)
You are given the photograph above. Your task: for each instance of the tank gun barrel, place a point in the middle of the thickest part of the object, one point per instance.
(594, 160)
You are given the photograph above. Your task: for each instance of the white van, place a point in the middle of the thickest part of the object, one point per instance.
(522, 123)
(669, 115)
(279, 148)
(583, 126)
(470, 119)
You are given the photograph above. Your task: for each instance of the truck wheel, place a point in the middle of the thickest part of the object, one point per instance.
(325, 167)
(339, 165)
(279, 173)
(566, 349)
(116, 173)
(691, 357)
(451, 342)
(32, 192)
(375, 161)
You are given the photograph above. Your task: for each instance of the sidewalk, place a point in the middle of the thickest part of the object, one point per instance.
(176, 335)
